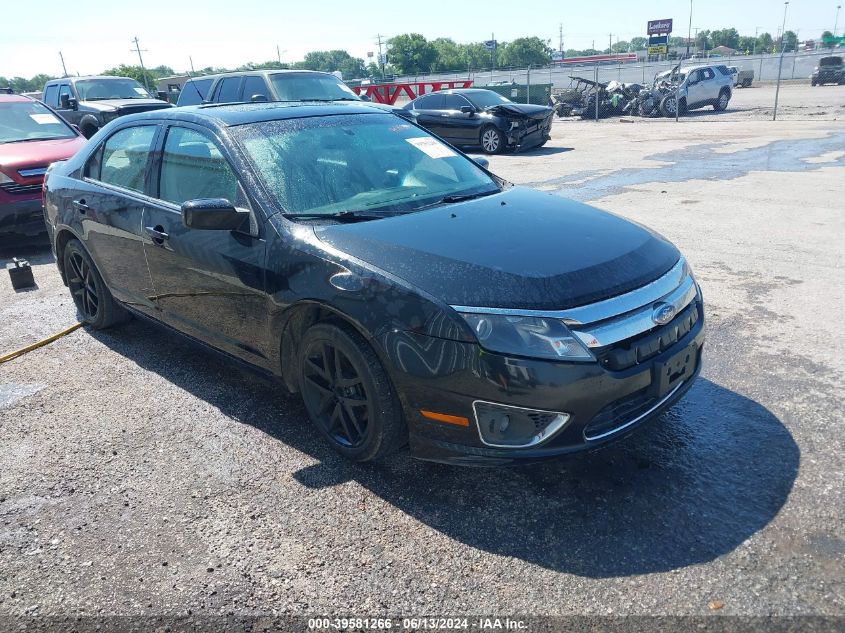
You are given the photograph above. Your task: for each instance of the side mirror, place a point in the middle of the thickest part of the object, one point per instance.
(258, 99)
(467, 109)
(482, 162)
(365, 98)
(67, 102)
(212, 214)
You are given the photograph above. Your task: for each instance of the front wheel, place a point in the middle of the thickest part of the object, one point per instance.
(94, 302)
(669, 106)
(348, 395)
(492, 140)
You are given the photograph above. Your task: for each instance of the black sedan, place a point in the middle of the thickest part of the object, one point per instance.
(409, 295)
(475, 118)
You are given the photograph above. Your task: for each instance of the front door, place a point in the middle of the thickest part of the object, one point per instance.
(109, 204)
(460, 128)
(71, 115)
(209, 283)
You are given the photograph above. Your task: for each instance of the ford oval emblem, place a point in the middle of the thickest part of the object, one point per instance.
(663, 313)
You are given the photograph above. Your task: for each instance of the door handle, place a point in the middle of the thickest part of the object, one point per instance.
(80, 206)
(157, 233)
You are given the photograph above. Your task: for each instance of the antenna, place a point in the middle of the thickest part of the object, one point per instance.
(192, 82)
(138, 50)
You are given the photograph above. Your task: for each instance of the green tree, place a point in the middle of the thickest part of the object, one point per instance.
(764, 42)
(448, 54)
(525, 51)
(331, 61)
(146, 77)
(638, 43)
(747, 44)
(725, 37)
(790, 41)
(702, 41)
(475, 56)
(411, 53)
(621, 46)
(827, 35)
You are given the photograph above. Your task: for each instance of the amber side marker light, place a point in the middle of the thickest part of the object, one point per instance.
(448, 419)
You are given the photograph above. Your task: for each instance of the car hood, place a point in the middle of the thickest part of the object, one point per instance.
(114, 104)
(520, 249)
(34, 154)
(520, 110)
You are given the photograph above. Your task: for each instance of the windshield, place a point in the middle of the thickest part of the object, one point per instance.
(367, 163)
(310, 87)
(117, 88)
(484, 99)
(30, 121)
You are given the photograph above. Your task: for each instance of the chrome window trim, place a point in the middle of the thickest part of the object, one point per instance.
(639, 417)
(601, 310)
(555, 426)
(631, 324)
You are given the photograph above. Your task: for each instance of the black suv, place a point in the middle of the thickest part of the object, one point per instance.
(411, 296)
(829, 71)
(91, 102)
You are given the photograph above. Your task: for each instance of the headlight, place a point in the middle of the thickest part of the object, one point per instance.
(109, 115)
(4, 178)
(537, 337)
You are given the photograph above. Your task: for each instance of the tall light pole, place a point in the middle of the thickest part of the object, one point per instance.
(780, 63)
(689, 28)
(836, 22)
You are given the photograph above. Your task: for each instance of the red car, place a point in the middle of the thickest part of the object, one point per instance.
(31, 137)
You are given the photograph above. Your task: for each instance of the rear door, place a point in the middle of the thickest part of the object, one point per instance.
(209, 283)
(429, 111)
(228, 90)
(109, 205)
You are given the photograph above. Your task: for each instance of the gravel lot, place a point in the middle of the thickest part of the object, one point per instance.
(144, 475)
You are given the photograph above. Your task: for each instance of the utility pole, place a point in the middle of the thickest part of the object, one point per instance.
(278, 55)
(689, 28)
(64, 68)
(780, 63)
(492, 55)
(380, 56)
(138, 50)
(610, 42)
(560, 38)
(836, 22)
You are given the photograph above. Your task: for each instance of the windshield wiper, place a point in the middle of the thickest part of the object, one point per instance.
(451, 199)
(40, 138)
(341, 216)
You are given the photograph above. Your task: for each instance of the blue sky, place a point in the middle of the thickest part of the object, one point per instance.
(95, 35)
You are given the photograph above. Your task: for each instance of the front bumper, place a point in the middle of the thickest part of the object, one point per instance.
(533, 134)
(21, 214)
(604, 405)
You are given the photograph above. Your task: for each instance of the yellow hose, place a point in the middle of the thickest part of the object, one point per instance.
(40, 343)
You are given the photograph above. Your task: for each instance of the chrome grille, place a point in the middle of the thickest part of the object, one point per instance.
(16, 189)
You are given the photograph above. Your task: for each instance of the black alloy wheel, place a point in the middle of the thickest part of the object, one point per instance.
(82, 286)
(347, 393)
(94, 302)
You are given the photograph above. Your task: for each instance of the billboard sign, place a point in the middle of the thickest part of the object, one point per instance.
(656, 40)
(656, 27)
(662, 49)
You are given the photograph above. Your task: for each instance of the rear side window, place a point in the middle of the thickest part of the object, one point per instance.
(707, 73)
(254, 86)
(125, 155)
(429, 102)
(193, 167)
(227, 91)
(51, 96)
(194, 92)
(724, 70)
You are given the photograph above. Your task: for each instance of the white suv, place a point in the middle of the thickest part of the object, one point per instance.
(705, 85)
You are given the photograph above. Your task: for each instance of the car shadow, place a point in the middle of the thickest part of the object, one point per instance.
(685, 489)
(543, 151)
(34, 249)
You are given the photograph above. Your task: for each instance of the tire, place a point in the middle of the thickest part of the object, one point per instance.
(89, 126)
(348, 395)
(722, 102)
(94, 302)
(492, 141)
(813, 83)
(669, 106)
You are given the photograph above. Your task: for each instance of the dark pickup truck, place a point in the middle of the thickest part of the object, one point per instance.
(829, 71)
(91, 102)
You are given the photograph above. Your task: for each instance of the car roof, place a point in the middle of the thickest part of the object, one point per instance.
(7, 98)
(263, 71)
(75, 79)
(225, 115)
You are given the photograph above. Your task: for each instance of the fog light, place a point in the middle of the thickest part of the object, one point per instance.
(506, 426)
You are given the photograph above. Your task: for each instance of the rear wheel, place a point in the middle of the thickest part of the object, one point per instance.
(492, 140)
(94, 302)
(722, 102)
(348, 395)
